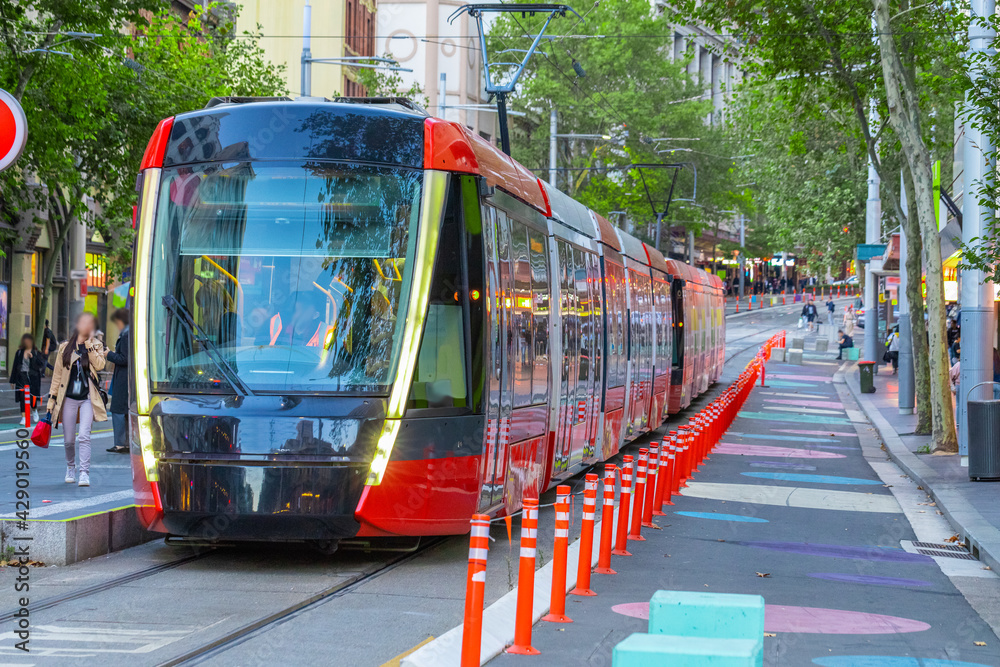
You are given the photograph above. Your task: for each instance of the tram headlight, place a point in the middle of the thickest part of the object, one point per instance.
(145, 424)
(382, 451)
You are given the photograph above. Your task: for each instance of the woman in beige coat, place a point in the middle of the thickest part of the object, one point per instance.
(75, 396)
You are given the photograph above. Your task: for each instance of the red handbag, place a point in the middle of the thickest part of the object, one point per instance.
(43, 432)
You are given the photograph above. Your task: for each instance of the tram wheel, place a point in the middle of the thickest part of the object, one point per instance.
(326, 547)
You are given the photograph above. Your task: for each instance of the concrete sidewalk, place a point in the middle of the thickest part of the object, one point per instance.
(973, 508)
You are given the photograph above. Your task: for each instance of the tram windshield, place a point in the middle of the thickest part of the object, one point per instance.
(297, 274)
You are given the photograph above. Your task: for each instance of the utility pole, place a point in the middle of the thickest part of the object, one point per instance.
(743, 255)
(553, 147)
(443, 94)
(907, 379)
(305, 81)
(873, 216)
(690, 244)
(978, 325)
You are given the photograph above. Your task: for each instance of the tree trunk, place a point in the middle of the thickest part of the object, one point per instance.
(904, 118)
(915, 300)
(63, 219)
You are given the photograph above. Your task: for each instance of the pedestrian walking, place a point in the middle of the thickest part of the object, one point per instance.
(809, 312)
(75, 397)
(849, 320)
(830, 307)
(892, 350)
(29, 365)
(119, 382)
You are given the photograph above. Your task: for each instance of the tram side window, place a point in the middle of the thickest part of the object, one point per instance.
(439, 380)
(615, 290)
(596, 317)
(584, 312)
(540, 303)
(678, 306)
(521, 325)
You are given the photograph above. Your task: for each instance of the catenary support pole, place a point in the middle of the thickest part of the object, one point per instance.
(553, 146)
(305, 81)
(978, 325)
(907, 379)
(873, 234)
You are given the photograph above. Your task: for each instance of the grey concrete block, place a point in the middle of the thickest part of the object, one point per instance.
(795, 357)
(778, 354)
(798, 343)
(66, 541)
(822, 344)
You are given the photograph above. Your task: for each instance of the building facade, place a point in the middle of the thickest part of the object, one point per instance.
(418, 35)
(339, 29)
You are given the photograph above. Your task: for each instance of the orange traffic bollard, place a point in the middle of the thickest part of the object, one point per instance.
(665, 481)
(557, 604)
(607, 521)
(475, 591)
(27, 406)
(684, 460)
(737, 303)
(586, 537)
(625, 499)
(526, 581)
(652, 474)
(635, 531)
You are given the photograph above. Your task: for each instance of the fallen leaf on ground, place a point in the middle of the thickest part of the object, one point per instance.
(953, 538)
(979, 643)
(770, 634)
(763, 574)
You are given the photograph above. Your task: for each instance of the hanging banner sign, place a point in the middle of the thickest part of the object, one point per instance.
(13, 130)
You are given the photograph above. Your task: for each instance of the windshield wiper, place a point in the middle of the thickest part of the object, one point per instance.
(171, 304)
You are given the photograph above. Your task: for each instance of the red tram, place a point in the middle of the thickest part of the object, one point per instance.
(352, 320)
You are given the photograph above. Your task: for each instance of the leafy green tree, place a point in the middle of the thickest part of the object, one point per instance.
(612, 76)
(814, 213)
(93, 102)
(799, 45)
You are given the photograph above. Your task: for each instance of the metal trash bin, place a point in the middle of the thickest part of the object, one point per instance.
(984, 437)
(867, 369)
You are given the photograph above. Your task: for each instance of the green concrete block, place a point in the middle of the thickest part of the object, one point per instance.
(698, 614)
(852, 353)
(642, 650)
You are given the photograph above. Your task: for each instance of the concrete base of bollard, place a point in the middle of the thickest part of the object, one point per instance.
(798, 343)
(699, 614)
(642, 650)
(778, 354)
(822, 344)
(794, 357)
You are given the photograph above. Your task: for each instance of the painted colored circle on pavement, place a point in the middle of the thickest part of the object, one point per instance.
(878, 554)
(839, 434)
(815, 620)
(723, 517)
(781, 465)
(768, 436)
(814, 479)
(812, 620)
(868, 580)
(766, 450)
(888, 661)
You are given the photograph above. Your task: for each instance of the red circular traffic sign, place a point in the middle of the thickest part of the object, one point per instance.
(13, 130)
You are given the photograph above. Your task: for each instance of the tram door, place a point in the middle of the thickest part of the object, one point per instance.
(498, 409)
(574, 440)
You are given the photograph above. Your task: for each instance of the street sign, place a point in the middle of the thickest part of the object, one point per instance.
(869, 251)
(13, 130)
(78, 274)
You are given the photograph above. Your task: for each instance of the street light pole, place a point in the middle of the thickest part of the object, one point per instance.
(305, 81)
(553, 146)
(977, 323)
(743, 254)
(873, 215)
